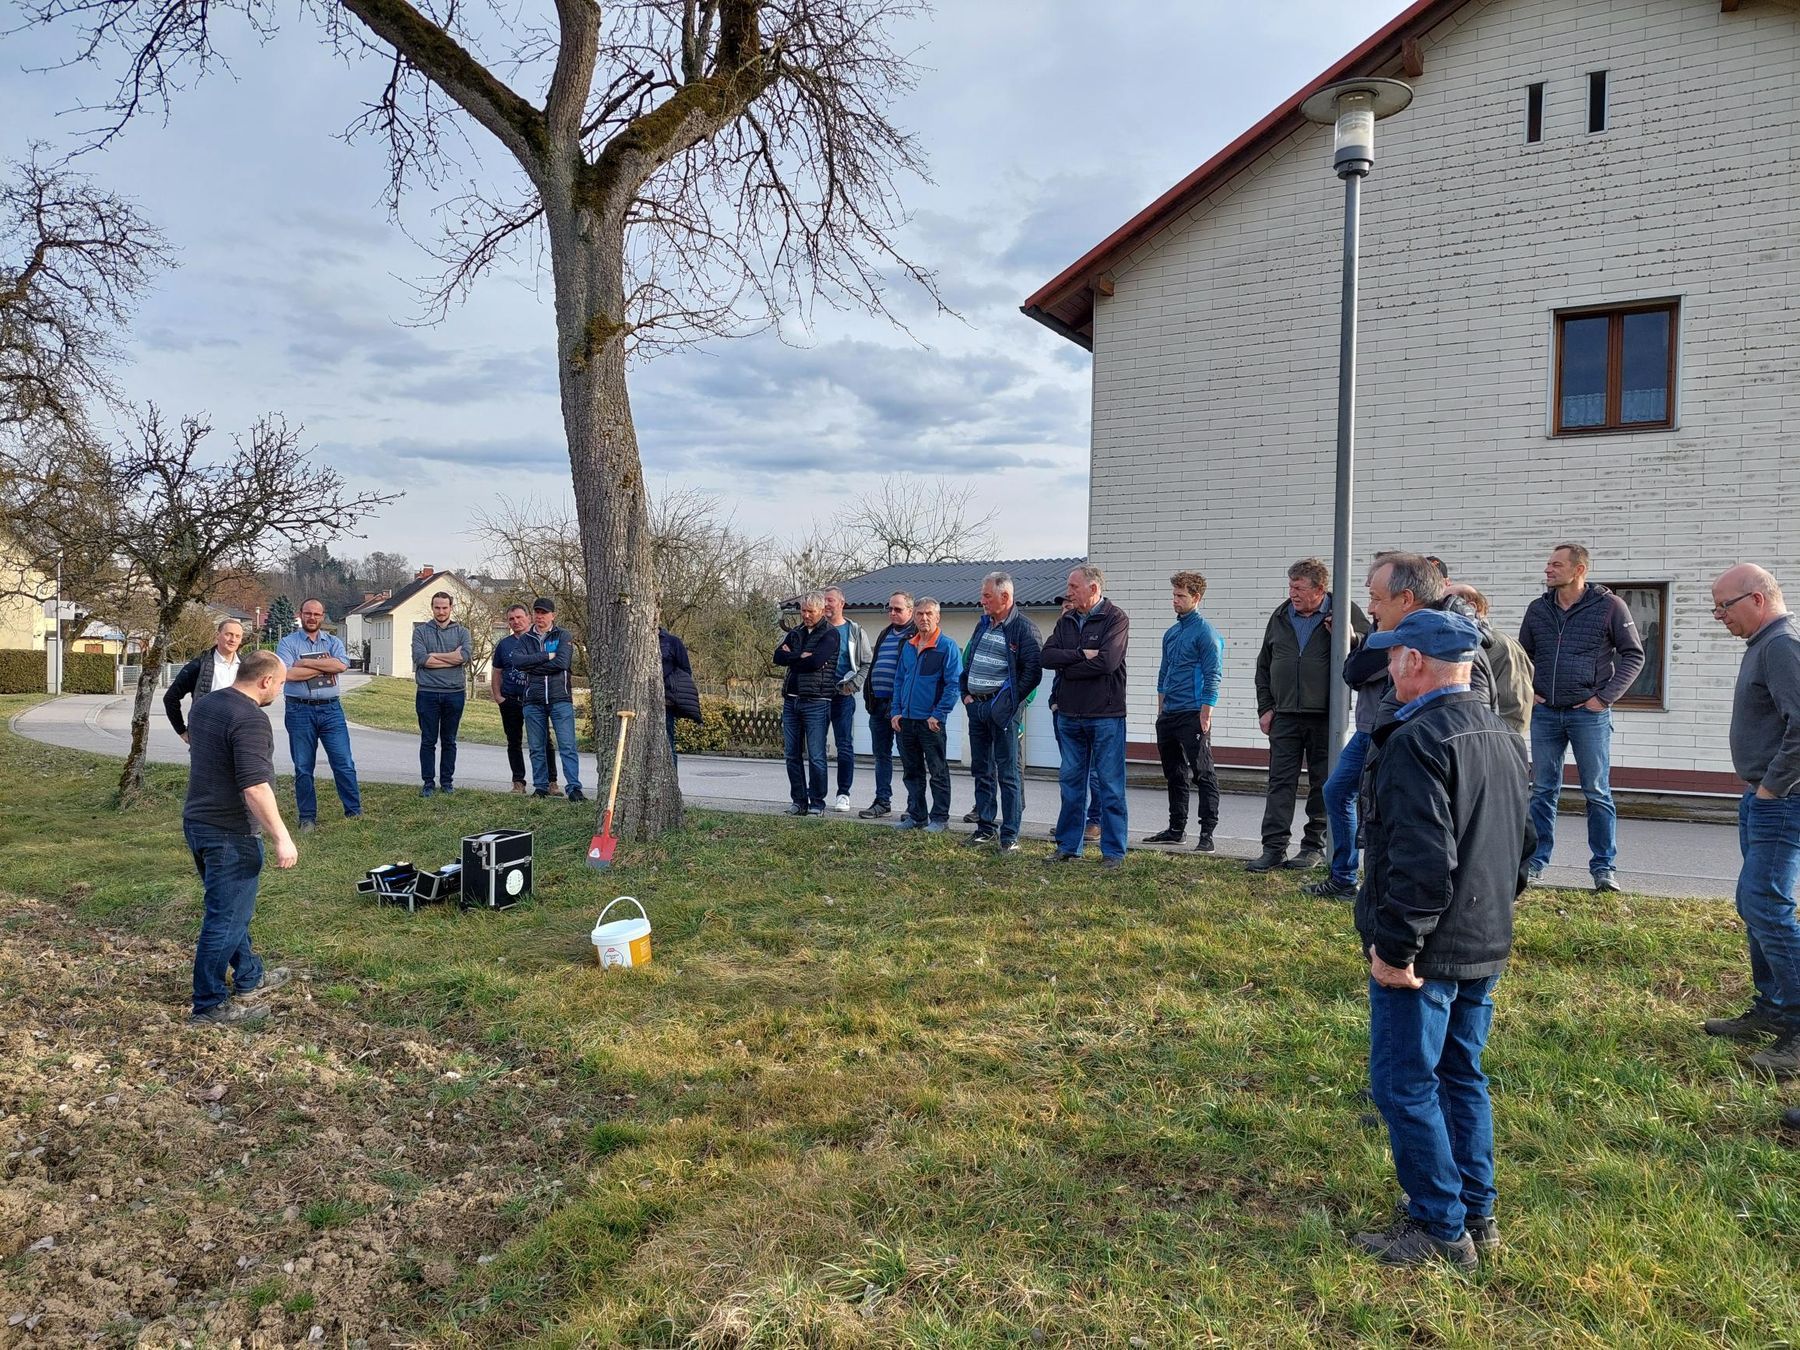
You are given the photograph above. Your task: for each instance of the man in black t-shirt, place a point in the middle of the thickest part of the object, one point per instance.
(230, 804)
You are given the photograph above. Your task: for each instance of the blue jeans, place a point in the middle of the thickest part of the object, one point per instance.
(1341, 791)
(881, 741)
(999, 781)
(310, 725)
(1425, 1076)
(1093, 805)
(843, 731)
(229, 866)
(560, 718)
(1589, 734)
(803, 724)
(1093, 750)
(440, 714)
(1769, 837)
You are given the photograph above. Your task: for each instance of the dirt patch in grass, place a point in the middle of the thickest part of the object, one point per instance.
(320, 1177)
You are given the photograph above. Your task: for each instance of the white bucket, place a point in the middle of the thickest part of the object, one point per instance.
(623, 942)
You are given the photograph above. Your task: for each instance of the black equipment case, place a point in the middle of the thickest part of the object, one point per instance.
(496, 869)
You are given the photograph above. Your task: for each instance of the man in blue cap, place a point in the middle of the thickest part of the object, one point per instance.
(1447, 848)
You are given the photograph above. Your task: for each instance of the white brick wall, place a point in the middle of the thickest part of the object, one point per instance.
(1215, 361)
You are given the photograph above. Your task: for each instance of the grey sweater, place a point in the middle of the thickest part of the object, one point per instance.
(1765, 711)
(429, 638)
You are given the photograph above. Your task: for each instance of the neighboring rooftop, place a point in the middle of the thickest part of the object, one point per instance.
(426, 577)
(1037, 582)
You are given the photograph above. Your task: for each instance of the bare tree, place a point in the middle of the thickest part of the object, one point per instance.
(540, 548)
(695, 167)
(905, 520)
(699, 555)
(180, 524)
(73, 259)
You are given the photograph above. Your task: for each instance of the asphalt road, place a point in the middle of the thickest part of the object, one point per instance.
(1656, 857)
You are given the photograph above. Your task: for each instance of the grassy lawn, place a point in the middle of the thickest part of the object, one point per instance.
(880, 1090)
(387, 703)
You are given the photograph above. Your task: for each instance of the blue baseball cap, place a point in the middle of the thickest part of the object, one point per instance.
(1435, 633)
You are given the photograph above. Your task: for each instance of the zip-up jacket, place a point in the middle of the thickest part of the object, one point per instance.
(428, 639)
(1193, 664)
(681, 695)
(1765, 709)
(1024, 667)
(509, 651)
(1589, 650)
(896, 633)
(194, 678)
(861, 654)
(1089, 686)
(544, 661)
(1448, 841)
(810, 655)
(1289, 680)
(927, 679)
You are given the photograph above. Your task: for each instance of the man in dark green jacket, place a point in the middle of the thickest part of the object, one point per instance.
(1293, 689)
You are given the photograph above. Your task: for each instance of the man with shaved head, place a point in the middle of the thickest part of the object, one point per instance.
(1765, 752)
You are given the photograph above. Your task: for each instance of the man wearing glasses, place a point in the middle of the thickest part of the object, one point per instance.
(1585, 652)
(1765, 752)
(878, 699)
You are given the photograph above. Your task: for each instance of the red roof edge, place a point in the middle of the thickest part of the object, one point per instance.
(1051, 304)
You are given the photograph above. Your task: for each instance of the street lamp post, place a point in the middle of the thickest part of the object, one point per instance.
(1352, 107)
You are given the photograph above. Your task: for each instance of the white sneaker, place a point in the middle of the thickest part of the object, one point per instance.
(842, 803)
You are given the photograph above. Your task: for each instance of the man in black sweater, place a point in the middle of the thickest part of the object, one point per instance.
(1448, 841)
(230, 805)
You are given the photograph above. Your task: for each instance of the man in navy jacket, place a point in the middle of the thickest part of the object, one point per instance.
(810, 653)
(1086, 649)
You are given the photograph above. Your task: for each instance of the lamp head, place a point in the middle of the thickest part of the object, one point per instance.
(1353, 107)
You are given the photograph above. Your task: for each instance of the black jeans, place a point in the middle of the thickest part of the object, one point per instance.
(1187, 763)
(922, 757)
(1294, 737)
(512, 721)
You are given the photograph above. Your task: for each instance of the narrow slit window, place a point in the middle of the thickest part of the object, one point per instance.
(1534, 113)
(1596, 100)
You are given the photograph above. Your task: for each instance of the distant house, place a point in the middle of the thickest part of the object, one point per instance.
(387, 625)
(1579, 286)
(23, 623)
(1038, 585)
(354, 626)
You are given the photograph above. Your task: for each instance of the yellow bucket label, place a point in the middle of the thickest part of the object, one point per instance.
(640, 950)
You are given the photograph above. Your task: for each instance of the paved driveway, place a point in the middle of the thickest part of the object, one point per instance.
(1658, 857)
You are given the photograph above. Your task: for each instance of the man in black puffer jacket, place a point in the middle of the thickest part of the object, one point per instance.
(810, 653)
(1448, 839)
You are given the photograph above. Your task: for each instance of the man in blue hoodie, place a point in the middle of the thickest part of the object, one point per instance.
(925, 690)
(1187, 690)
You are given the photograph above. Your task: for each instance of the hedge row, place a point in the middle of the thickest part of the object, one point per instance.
(90, 673)
(23, 671)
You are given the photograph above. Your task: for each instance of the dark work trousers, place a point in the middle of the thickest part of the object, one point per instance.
(512, 721)
(922, 760)
(1187, 763)
(1293, 738)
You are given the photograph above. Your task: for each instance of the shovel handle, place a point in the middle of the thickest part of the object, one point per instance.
(612, 793)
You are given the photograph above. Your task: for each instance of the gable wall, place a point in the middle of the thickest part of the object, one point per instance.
(1215, 361)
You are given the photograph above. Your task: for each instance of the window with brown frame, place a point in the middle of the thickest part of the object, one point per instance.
(1615, 369)
(1648, 602)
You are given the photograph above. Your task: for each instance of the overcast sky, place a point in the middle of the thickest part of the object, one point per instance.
(1047, 123)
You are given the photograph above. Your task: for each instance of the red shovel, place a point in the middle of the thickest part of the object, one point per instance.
(603, 845)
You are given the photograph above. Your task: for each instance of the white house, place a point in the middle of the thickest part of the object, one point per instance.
(387, 625)
(1580, 283)
(355, 620)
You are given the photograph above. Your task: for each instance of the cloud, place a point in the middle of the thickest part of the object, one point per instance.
(522, 454)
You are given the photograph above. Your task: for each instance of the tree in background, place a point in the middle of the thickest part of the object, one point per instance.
(281, 621)
(905, 520)
(695, 169)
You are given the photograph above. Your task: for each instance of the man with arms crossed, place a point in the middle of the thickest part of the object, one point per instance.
(1087, 649)
(440, 653)
(230, 805)
(1449, 837)
(1765, 751)
(506, 686)
(313, 716)
(852, 669)
(1585, 652)
(214, 668)
(1005, 665)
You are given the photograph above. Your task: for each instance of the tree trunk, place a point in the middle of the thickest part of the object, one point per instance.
(587, 254)
(131, 780)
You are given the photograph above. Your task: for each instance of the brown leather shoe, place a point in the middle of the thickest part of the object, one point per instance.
(1091, 834)
(556, 790)
(518, 789)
